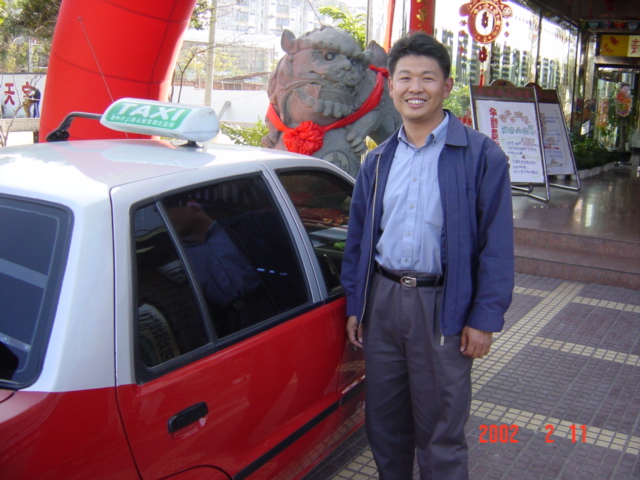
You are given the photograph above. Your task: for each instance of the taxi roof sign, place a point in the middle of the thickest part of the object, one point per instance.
(150, 117)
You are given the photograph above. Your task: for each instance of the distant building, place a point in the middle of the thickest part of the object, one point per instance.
(247, 39)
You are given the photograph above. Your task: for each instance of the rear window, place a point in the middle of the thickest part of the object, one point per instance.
(33, 252)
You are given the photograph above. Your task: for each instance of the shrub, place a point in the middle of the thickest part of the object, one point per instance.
(588, 153)
(251, 135)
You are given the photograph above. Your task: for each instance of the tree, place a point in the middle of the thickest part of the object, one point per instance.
(354, 25)
(459, 100)
(200, 16)
(193, 58)
(38, 17)
(3, 11)
(26, 29)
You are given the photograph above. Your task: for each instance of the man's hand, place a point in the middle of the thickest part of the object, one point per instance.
(354, 332)
(475, 343)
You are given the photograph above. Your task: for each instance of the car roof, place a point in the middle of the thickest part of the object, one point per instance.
(90, 168)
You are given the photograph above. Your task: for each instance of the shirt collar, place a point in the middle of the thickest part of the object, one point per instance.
(439, 133)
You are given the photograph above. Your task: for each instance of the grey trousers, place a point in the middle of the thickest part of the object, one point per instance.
(418, 392)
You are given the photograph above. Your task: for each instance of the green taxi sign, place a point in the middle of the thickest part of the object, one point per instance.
(150, 117)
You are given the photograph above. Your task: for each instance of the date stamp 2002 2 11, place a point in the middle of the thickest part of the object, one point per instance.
(508, 433)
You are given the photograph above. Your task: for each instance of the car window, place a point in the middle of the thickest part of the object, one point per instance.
(225, 244)
(170, 323)
(322, 200)
(33, 251)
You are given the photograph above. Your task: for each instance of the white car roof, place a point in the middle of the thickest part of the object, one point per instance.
(83, 171)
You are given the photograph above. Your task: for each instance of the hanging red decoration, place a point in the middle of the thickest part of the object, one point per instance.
(485, 18)
(482, 55)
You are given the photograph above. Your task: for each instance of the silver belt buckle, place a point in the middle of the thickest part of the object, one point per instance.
(408, 282)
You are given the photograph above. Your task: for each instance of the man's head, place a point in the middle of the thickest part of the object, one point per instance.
(419, 83)
(187, 216)
(419, 44)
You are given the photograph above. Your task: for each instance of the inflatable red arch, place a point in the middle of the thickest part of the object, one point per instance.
(103, 50)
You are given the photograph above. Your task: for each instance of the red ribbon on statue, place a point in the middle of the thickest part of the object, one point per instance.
(308, 137)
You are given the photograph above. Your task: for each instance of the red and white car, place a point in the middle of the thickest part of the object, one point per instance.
(171, 311)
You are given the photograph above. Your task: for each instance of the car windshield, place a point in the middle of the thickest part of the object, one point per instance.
(33, 250)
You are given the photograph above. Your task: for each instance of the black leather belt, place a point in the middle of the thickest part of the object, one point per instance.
(411, 281)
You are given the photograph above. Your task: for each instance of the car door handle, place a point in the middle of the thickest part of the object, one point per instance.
(188, 416)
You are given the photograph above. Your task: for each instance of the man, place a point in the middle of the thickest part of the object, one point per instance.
(35, 96)
(428, 269)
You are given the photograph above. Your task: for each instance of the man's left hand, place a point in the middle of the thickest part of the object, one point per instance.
(475, 343)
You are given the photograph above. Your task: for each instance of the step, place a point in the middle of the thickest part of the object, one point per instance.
(582, 243)
(578, 258)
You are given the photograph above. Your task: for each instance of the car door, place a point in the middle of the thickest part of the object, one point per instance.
(322, 199)
(237, 375)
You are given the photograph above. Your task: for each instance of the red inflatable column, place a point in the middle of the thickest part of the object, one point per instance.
(103, 50)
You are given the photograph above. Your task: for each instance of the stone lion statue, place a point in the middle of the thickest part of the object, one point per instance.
(327, 95)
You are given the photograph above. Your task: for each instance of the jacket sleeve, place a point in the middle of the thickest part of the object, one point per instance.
(494, 275)
(355, 231)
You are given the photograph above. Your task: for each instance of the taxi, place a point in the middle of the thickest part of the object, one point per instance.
(171, 308)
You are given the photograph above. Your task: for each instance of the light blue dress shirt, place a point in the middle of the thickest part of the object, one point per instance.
(412, 210)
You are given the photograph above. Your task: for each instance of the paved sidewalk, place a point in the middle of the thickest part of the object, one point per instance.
(557, 398)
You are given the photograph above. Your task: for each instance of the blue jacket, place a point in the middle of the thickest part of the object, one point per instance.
(477, 237)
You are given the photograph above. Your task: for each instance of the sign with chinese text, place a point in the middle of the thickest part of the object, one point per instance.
(620, 45)
(150, 117)
(557, 146)
(509, 116)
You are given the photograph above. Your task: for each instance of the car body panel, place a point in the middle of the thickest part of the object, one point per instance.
(71, 435)
(259, 389)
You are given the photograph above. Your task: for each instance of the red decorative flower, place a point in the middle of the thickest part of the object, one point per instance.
(306, 138)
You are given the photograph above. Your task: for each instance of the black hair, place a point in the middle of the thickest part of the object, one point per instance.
(419, 44)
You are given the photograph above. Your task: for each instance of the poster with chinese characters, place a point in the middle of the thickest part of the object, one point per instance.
(557, 147)
(508, 115)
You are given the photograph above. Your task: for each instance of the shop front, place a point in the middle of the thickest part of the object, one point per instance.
(592, 63)
(616, 90)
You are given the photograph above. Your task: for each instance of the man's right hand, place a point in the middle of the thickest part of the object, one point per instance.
(354, 332)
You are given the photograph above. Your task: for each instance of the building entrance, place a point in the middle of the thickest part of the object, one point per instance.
(616, 119)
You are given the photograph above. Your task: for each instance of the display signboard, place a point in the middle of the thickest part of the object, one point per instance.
(509, 116)
(557, 145)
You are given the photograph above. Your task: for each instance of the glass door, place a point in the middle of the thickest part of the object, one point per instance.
(617, 116)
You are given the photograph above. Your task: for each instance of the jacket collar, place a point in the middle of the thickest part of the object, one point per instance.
(456, 136)
(456, 133)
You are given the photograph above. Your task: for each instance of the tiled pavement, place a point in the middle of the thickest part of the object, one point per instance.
(558, 397)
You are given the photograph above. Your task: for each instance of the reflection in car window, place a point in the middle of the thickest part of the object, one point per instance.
(169, 320)
(322, 200)
(239, 252)
(33, 250)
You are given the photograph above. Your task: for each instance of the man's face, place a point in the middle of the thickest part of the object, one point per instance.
(418, 88)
